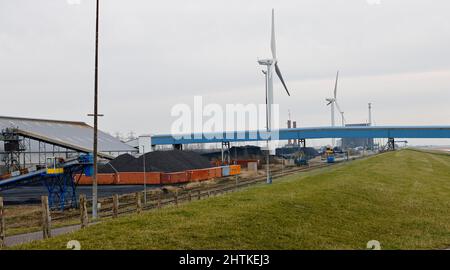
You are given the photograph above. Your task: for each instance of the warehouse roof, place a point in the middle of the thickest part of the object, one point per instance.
(69, 134)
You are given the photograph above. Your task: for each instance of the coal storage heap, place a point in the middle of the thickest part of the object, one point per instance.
(242, 152)
(157, 161)
(120, 163)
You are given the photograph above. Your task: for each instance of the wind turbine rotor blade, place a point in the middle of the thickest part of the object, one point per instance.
(277, 70)
(340, 112)
(335, 85)
(272, 38)
(337, 106)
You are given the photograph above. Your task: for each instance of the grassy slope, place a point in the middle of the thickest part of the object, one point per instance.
(401, 199)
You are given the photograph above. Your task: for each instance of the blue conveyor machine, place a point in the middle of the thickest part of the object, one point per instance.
(58, 178)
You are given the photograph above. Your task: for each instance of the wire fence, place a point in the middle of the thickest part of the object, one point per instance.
(132, 202)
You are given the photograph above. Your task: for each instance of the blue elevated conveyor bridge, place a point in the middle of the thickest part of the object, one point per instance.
(388, 132)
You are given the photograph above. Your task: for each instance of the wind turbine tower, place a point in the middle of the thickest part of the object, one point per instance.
(272, 65)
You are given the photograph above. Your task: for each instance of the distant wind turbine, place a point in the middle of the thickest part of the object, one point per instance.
(333, 102)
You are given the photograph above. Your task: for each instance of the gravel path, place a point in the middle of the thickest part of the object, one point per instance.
(28, 237)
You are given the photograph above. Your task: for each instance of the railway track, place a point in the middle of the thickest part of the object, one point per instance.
(164, 197)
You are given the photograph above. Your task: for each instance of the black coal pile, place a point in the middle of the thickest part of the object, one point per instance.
(289, 151)
(120, 163)
(158, 161)
(241, 152)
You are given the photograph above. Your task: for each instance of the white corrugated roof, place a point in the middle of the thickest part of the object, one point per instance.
(78, 135)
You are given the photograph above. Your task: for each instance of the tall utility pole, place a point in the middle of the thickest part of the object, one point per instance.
(94, 176)
(370, 114)
(289, 125)
(145, 178)
(268, 121)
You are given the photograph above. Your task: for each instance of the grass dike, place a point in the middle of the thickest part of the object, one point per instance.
(400, 199)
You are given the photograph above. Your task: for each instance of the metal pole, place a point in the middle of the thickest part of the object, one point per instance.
(269, 178)
(235, 162)
(94, 176)
(145, 178)
(221, 152)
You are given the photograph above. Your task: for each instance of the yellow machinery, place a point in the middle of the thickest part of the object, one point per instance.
(329, 154)
(54, 165)
(329, 151)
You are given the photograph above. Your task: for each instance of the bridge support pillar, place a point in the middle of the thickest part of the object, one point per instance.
(391, 144)
(178, 147)
(225, 152)
(302, 143)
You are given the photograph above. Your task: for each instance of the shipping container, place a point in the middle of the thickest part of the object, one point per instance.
(174, 178)
(5, 176)
(235, 169)
(137, 178)
(121, 178)
(225, 170)
(215, 172)
(102, 179)
(198, 175)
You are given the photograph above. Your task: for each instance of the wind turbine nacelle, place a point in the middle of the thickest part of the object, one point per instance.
(265, 62)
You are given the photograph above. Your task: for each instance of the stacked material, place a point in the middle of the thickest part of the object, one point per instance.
(158, 161)
(161, 167)
(241, 152)
(293, 150)
(156, 178)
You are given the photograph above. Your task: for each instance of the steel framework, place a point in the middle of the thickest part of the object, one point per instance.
(61, 187)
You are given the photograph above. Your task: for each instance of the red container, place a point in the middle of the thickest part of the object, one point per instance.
(137, 178)
(102, 179)
(122, 178)
(83, 179)
(235, 169)
(198, 175)
(215, 172)
(5, 176)
(174, 178)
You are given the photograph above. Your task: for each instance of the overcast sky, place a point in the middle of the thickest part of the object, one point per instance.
(155, 54)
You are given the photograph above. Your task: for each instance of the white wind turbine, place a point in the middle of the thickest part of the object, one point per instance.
(272, 65)
(333, 102)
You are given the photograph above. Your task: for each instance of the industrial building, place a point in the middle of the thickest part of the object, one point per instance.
(27, 142)
(365, 143)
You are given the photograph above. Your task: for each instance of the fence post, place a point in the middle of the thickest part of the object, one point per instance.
(46, 218)
(199, 195)
(83, 211)
(115, 206)
(175, 195)
(189, 196)
(138, 202)
(2, 224)
(159, 199)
